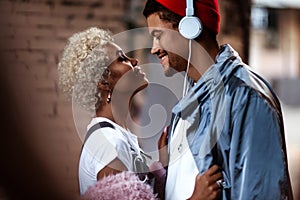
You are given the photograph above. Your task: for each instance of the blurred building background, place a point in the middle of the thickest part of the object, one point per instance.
(39, 143)
(275, 54)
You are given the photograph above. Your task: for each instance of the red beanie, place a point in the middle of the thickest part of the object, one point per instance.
(206, 10)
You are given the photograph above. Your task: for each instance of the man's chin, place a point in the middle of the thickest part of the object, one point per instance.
(170, 72)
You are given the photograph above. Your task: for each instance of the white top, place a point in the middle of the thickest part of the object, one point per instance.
(182, 169)
(102, 147)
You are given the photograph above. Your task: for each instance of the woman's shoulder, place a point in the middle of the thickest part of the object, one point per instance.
(102, 127)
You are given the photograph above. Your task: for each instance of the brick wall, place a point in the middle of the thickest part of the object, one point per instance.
(33, 34)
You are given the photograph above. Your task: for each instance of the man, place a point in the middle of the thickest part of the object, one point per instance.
(230, 116)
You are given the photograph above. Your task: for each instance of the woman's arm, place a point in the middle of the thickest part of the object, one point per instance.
(158, 168)
(114, 167)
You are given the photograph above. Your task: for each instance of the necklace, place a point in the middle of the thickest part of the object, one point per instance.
(180, 148)
(179, 142)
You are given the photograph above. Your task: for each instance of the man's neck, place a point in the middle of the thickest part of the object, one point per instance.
(203, 56)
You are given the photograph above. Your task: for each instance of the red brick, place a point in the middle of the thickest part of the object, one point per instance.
(40, 21)
(8, 56)
(108, 12)
(13, 44)
(114, 26)
(28, 7)
(5, 7)
(64, 11)
(52, 73)
(13, 20)
(43, 44)
(38, 71)
(64, 33)
(30, 57)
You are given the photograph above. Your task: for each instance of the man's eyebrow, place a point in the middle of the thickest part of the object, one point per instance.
(155, 31)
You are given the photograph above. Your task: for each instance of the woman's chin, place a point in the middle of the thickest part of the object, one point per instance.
(142, 86)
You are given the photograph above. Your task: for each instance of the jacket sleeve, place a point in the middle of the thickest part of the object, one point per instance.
(256, 160)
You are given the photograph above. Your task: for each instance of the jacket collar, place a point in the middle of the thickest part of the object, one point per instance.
(211, 81)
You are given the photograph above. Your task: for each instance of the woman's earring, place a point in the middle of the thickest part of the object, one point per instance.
(108, 100)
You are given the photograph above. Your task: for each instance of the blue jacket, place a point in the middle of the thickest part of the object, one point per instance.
(236, 123)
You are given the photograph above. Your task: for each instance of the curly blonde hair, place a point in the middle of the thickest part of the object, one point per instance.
(82, 64)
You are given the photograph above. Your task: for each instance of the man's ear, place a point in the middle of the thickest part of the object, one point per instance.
(104, 85)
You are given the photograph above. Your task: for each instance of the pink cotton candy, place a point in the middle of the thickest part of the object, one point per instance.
(122, 186)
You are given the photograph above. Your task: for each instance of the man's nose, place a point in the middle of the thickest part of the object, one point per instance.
(155, 47)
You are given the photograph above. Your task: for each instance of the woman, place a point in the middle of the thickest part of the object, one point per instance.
(89, 70)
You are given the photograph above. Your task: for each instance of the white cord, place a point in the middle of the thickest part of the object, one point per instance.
(185, 81)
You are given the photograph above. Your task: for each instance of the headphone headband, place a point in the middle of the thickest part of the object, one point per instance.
(189, 11)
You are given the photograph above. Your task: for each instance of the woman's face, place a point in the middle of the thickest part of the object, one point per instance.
(124, 74)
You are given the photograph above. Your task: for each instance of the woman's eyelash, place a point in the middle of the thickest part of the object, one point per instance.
(121, 58)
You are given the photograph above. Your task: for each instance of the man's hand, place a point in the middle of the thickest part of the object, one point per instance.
(206, 186)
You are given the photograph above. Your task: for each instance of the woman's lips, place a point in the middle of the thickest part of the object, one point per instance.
(138, 71)
(163, 59)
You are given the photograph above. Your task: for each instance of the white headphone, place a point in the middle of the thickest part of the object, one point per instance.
(190, 26)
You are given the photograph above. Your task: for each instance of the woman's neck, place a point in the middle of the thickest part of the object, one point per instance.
(105, 111)
(119, 116)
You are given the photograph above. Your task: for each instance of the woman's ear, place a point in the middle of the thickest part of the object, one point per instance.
(104, 85)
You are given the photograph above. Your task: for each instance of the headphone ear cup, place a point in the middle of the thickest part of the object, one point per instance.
(190, 27)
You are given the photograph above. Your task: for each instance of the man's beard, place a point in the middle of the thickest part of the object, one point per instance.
(170, 72)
